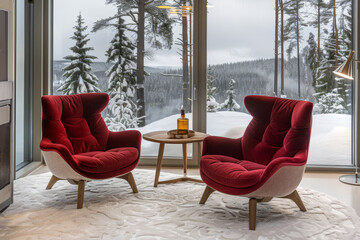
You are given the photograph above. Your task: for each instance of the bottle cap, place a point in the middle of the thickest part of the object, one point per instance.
(182, 112)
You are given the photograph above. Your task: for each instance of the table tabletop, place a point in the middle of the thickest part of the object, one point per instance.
(163, 137)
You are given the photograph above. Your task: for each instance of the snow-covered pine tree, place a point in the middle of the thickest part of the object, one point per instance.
(211, 104)
(327, 84)
(346, 27)
(78, 75)
(345, 46)
(121, 79)
(325, 80)
(319, 20)
(334, 4)
(312, 57)
(321, 85)
(330, 102)
(230, 103)
(147, 20)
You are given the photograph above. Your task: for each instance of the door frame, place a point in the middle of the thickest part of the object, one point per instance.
(200, 71)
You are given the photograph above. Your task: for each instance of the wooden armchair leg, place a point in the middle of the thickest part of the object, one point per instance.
(81, 192)
(297, 199)
(252, 213)
(253, 204)
(208, 190)
(52, 181)
(130, 179)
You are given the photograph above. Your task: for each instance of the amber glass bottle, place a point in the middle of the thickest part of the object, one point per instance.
(182, 124)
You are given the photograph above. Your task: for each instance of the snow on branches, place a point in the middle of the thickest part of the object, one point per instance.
(121, 75)
(211, 104)
(330, 102)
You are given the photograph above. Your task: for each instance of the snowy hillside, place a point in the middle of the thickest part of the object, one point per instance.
(163, 93)
(330, 138)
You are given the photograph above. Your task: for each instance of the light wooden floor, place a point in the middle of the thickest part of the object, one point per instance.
(323, 182)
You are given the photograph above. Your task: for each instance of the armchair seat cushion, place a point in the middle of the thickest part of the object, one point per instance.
(106, 161)
(231, 172)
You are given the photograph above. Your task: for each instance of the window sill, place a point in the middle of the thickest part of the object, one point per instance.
(27, 169)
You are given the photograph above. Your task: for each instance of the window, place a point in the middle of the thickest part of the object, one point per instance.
(97, 49)
(290, 57)
(250, 49)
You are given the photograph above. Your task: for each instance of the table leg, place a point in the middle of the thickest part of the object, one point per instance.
(184, 178)
(158, 165)
(200, 147)
(185, 158)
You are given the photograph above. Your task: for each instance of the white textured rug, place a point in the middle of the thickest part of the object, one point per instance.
(112, 211)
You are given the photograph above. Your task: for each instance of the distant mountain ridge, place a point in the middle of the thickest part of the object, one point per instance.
(163, 93)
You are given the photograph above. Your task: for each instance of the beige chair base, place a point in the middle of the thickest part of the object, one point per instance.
(81, 186)
(253, 202)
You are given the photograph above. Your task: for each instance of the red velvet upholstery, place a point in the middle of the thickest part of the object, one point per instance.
(73, 127)
(107, 161)
(277, 136)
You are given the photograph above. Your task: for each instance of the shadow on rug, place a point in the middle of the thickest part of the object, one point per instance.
(171, 211)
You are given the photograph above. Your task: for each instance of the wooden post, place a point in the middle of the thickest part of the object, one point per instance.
(158, 165)
(184, 146)
(252, 213)
(81, 192)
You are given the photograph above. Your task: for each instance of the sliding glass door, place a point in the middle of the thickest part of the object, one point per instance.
(286, 49)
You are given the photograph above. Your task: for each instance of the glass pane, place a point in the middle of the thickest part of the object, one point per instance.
(23, 146)
(147, 98)
(242, 61)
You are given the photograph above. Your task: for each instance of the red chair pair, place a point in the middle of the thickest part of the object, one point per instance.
(268, 161)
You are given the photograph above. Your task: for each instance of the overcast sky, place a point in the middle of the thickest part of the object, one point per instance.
(237, 30)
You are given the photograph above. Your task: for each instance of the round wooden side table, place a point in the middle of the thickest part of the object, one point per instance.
(163, 138)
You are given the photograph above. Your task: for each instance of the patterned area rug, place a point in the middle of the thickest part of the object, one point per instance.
(112, 211)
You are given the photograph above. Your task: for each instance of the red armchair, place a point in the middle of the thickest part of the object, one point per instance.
(268, 161)
(77, 145)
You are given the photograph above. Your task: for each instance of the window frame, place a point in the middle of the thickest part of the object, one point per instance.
(199, 76)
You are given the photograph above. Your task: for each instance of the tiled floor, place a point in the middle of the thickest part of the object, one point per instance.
(324, 182)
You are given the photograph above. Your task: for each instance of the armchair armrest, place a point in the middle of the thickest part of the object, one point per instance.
(222, 146)
(47, 145)
(299, 159)
(128, 138)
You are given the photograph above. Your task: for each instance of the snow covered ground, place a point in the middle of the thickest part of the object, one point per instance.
(330, 138)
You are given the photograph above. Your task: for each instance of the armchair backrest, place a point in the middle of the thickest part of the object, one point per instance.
(279, 128)
(75, 121)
